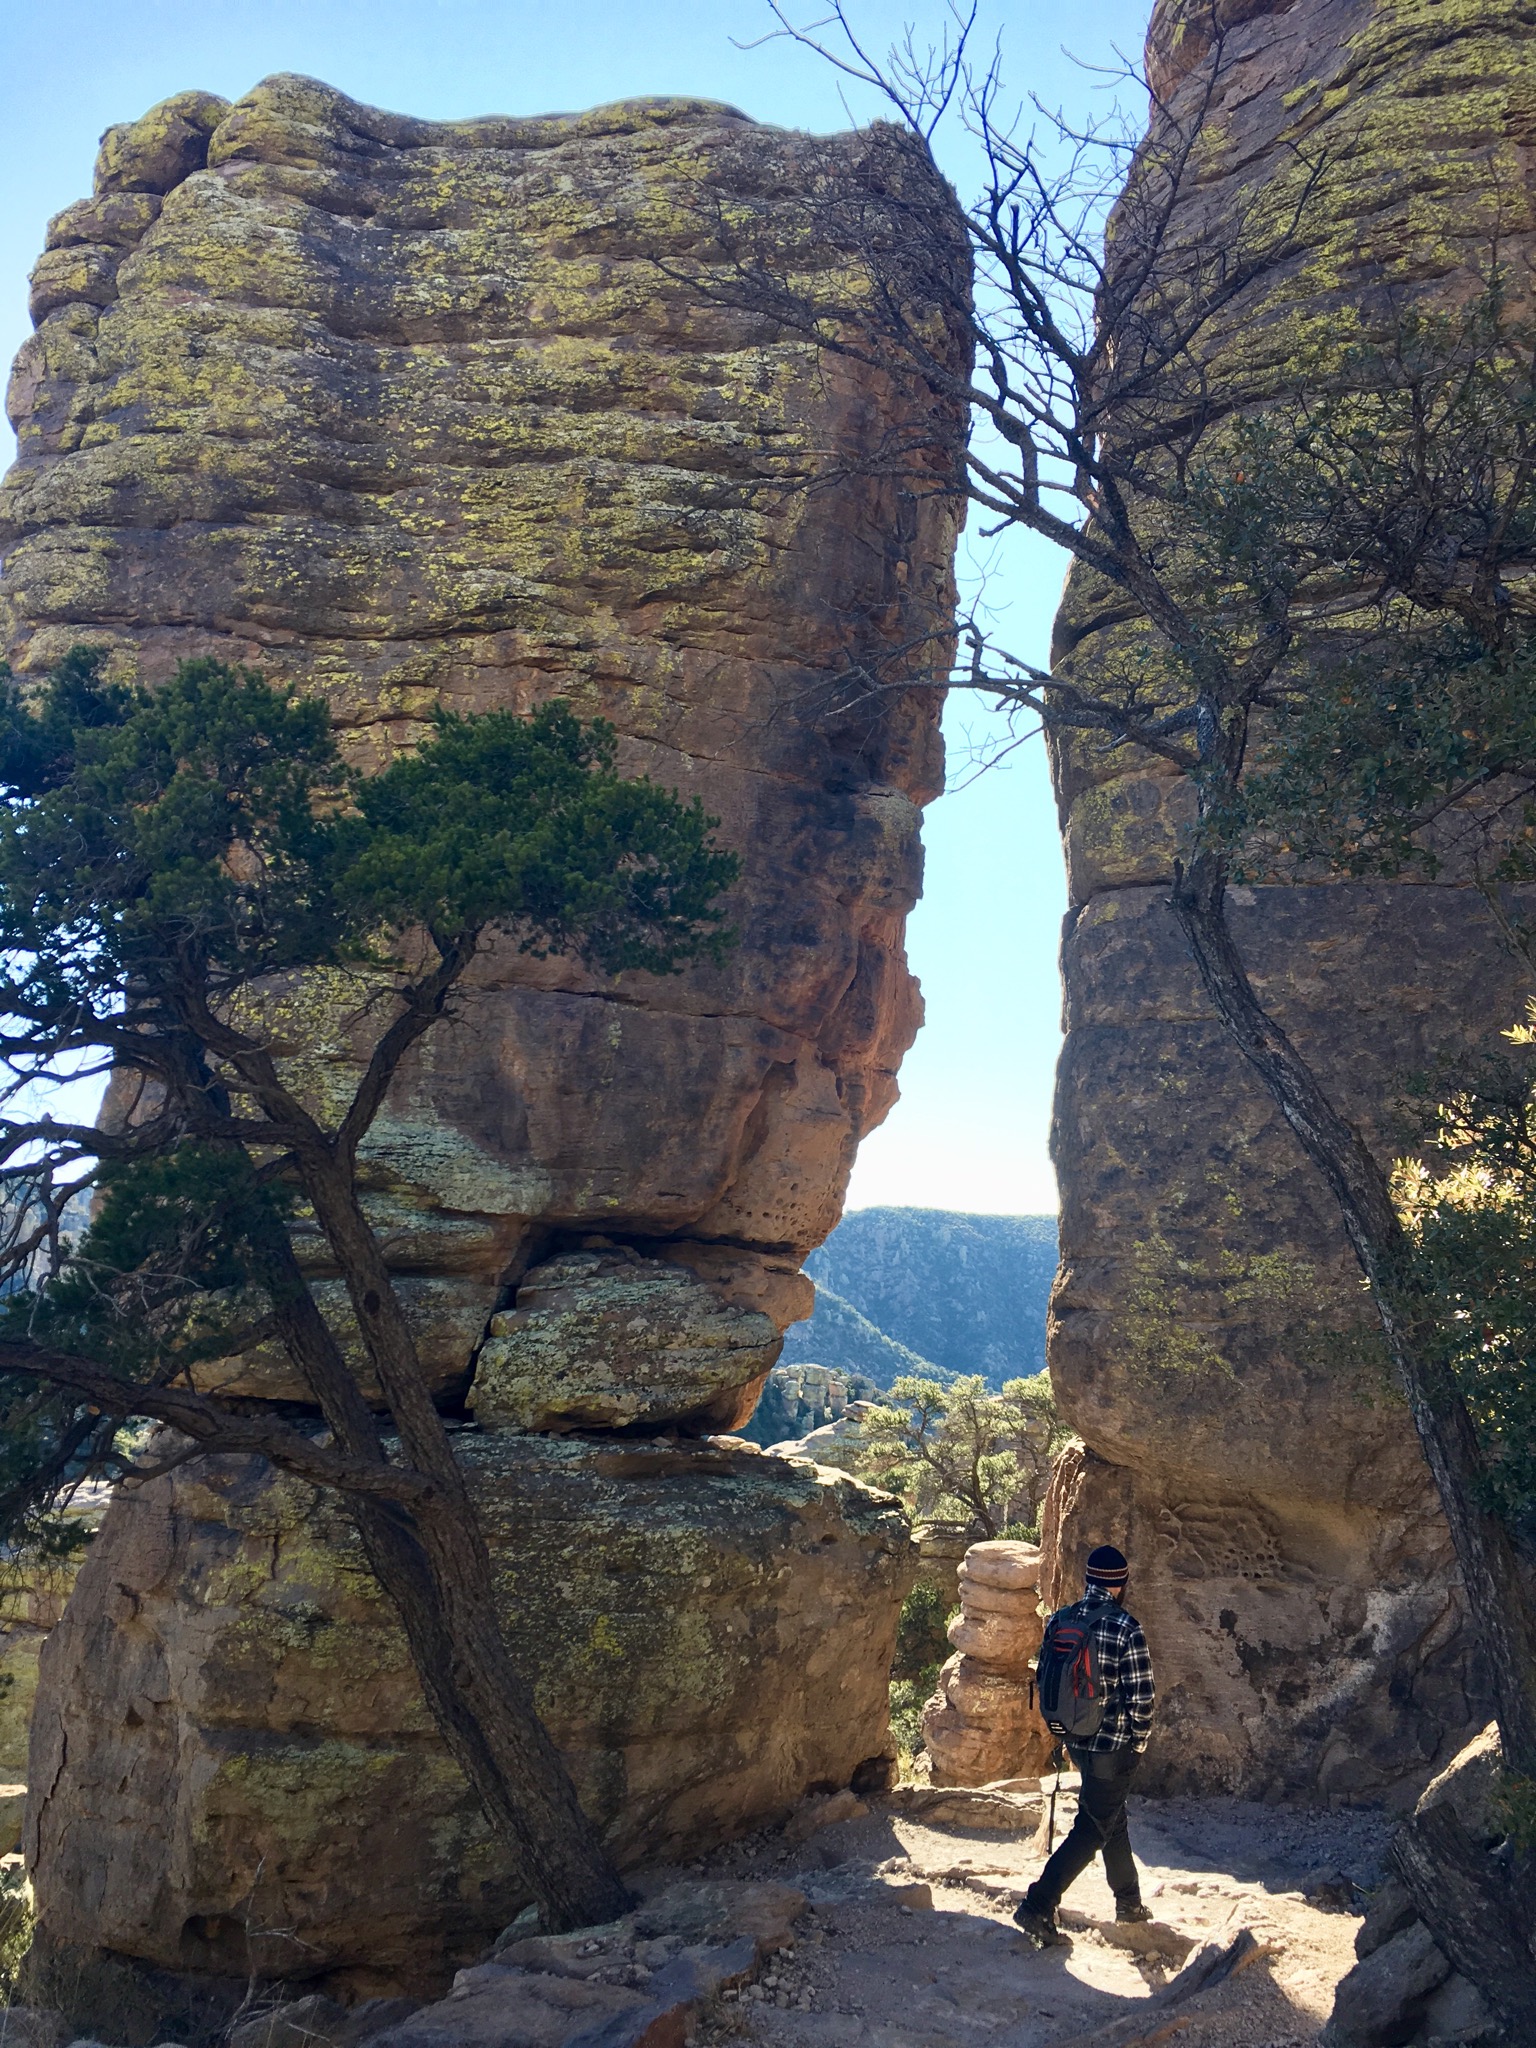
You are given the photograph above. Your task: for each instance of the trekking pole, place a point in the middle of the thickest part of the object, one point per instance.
(1050, 1832)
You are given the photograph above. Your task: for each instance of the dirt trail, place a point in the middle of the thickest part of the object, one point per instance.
(871, 1970)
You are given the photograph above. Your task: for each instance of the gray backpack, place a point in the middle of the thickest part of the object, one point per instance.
(1068, 1679)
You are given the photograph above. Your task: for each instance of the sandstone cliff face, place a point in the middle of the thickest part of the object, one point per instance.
(236, 1772)
(415, 413)
(1292, 1568)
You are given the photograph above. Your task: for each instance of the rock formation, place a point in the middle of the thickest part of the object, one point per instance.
(1403, 1991)
(413, 414)
(982, 1725)
(799, 1398)
(1291, 1565)
(238, 1768)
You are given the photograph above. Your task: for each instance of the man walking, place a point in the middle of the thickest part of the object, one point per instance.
(1117, 1665)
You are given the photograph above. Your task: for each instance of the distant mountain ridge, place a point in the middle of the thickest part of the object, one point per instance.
(905, 1290)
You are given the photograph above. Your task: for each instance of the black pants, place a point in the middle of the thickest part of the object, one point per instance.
(1100, 1825)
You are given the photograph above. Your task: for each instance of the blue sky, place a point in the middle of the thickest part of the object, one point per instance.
(970, 1130)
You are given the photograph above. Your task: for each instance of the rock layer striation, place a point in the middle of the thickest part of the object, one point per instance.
(982, 1723)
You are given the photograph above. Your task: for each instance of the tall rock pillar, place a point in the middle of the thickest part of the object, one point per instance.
(410, 414)
(1291, 1564)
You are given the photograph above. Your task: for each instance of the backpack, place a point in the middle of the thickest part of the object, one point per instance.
(1068, 1678)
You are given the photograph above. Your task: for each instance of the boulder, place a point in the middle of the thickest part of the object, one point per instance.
(1471, 1786)
(447, 1312)
(1391, 1910)
(1291, 1565)
(234, 1772)
(837, 1443)
(406, 414)
(982, 1723)
(607, 1339)
(1382, 2000)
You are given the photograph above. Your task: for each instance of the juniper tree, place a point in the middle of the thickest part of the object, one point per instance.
(172, 863)
(963, 1454)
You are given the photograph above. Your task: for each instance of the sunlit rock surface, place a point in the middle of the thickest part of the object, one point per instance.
(416, 414)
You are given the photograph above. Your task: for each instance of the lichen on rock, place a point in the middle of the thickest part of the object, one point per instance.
(608, 1340)
(1290, 1561)
(234, 1769)
(409, 414)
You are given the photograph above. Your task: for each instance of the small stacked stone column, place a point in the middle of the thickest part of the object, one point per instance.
(982, 1724)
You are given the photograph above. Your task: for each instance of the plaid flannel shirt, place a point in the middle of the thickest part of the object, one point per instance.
(1126, 1664)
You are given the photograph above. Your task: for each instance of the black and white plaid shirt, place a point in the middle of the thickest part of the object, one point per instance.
(1126, 1664)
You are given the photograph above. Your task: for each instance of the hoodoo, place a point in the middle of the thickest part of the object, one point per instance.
(1293, 1566)
(413, 414)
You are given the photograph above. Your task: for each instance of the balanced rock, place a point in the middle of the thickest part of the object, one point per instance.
(609, 1340)
(982, 1724)
(411, 413)
(233, 1766)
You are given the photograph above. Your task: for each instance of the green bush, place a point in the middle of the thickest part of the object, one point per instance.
(922, 1643)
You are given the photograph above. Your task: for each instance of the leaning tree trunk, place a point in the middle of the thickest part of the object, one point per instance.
(1471, 1904)
(1489, 1563)
(435, 1568)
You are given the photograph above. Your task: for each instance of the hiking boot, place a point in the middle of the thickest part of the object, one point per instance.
(1038, 1922)
(1131, 1909)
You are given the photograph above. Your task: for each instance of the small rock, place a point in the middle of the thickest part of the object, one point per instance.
(956, 1806)
(1329, 1890)
(814, 1814)
(1390, 1911)
(910, 1897)
(1456, 2012)
(1152, 1939)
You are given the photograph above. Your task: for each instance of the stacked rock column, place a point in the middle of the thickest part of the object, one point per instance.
(982, 1723)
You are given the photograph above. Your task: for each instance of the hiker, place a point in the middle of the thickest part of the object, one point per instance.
(1096, 1693)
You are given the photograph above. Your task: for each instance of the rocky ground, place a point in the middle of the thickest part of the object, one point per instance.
(873, 1964)
(887, 1924)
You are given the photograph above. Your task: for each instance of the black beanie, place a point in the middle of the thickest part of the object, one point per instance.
(1107, 1566)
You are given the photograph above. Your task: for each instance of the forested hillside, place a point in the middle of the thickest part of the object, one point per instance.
(901, 1289)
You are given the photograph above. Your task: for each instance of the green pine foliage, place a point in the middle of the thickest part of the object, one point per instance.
(962, 1455)
(168, 857)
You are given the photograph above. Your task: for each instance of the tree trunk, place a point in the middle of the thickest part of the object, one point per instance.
(436, 1570)
(1490, 1569)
